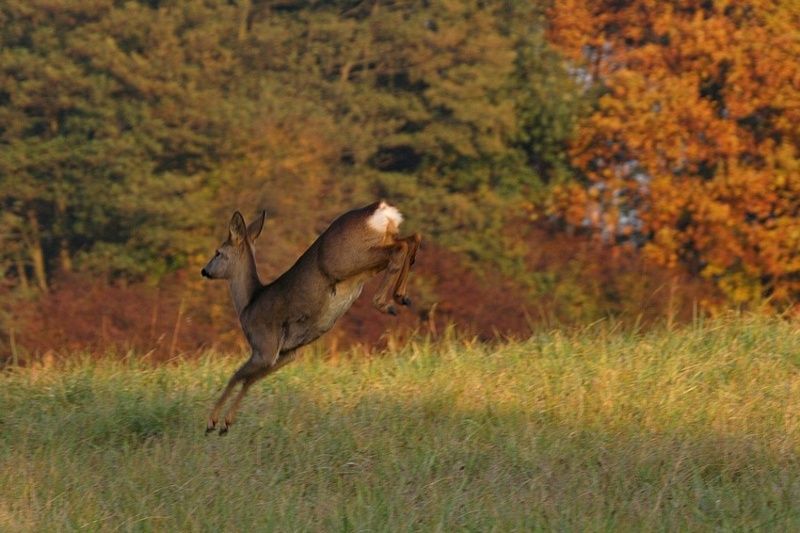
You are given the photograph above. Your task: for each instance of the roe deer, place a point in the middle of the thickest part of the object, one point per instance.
(305, 301)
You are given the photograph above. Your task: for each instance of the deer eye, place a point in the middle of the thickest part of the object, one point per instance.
(218, 254)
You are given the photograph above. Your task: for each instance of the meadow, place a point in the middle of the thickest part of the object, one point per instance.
(597, 429)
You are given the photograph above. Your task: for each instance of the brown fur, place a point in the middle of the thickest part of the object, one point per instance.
(306, 300)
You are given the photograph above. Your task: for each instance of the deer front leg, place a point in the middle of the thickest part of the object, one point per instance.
(261, 373)
(246, 369)
(265, 352)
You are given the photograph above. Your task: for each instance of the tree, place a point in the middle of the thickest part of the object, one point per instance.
(459, 110)
(693, 144)
(128, 129)
(109, 123)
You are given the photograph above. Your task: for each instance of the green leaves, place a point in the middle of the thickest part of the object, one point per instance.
(109, 124)
(129, 130)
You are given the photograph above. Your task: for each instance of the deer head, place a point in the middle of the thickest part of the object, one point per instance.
(236, 253)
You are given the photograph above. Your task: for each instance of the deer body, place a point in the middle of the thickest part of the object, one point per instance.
(306, 300)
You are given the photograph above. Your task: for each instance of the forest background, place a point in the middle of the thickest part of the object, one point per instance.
(565, 161)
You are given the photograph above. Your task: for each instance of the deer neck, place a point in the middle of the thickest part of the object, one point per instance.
(244, 284)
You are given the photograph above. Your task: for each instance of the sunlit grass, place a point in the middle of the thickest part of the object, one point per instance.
(595, 430)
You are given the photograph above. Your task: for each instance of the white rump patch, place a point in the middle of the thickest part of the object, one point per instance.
(383, 215)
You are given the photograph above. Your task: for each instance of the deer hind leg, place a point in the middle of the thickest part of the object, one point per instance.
(394, 256)
(397, 253)
(262, 372)
(401, 286)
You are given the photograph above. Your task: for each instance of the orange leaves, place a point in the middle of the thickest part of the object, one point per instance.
(696, 134)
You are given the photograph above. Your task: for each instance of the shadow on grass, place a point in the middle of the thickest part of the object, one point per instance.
(423, 458)
(524, 469)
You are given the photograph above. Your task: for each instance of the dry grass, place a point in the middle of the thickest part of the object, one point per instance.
(596, 430)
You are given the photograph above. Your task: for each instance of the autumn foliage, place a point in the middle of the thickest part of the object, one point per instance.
(566, 161)
(692, 148)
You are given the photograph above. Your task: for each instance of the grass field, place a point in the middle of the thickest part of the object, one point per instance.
(594, 430)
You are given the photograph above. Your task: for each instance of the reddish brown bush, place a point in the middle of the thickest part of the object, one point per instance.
(571, 279)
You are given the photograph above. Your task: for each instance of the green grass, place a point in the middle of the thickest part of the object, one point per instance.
(696, 429)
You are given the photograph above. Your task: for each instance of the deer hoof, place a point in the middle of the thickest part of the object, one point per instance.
(210, 426)
(385, 307)
(223, 430)
(403, 300)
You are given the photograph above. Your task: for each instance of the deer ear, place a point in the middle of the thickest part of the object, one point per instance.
(255, 227)
(237, 228)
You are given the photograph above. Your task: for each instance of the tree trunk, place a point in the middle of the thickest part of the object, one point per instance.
(35, 252)
(21, 274)
(39, 271)
(64, 259)
(244, 15)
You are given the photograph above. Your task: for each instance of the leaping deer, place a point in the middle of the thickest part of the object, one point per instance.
(306, 300)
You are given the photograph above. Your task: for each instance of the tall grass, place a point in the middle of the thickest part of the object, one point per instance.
(594, 430)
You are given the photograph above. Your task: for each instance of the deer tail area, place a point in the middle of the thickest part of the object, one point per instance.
(385, 216)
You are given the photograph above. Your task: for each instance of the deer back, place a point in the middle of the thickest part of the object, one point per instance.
(305, 301)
